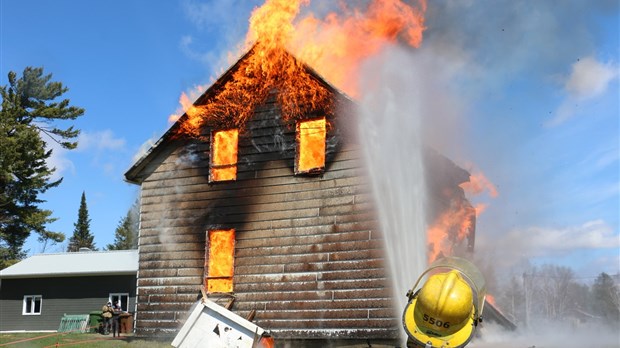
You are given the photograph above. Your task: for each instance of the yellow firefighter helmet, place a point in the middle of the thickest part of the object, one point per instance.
(444, 304)
(442, 312)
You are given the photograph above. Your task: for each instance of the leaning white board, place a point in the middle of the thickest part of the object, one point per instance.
(211, 325)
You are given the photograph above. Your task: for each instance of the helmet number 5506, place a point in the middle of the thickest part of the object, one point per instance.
(435, 322)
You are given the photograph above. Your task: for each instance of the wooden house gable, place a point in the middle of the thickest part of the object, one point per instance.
(308, 255)
(307, 252)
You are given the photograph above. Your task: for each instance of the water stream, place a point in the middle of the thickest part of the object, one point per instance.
(390, 136)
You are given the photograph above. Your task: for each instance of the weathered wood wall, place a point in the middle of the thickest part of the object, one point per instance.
(308, 255)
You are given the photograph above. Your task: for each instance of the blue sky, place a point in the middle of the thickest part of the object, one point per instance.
(525, 92)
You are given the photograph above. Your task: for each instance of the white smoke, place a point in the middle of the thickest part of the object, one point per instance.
(473, 56)
(145, 148)
(511, 68)
(549, 335)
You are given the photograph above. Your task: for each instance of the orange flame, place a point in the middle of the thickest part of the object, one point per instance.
(221, 261)
(186, 103)
(456, 224)
(479, 183)
(334, 46)
(272, 23)
(337, 45)
(266, 68)
(491, 299)
(311, 145)
(224, 155)
(450, 230)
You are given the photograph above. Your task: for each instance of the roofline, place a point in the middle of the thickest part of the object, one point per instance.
(12, 274)
(66, 274)
(131, 175)
(84, 252)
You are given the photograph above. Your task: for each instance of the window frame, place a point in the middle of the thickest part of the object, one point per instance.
(314, 170)
(32, 304)
(124, 307)
(213, 166)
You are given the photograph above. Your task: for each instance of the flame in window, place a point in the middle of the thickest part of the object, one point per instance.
(224, 155)
(220, 262)
(310, 146)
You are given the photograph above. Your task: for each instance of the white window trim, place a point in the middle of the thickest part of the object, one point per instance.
(120, 296)
(32, 298)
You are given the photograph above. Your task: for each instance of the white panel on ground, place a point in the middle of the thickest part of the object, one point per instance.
(211, 325)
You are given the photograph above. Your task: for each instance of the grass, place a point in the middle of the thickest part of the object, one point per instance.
(76, 340)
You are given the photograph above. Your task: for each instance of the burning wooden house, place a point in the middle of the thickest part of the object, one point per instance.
(258, 193)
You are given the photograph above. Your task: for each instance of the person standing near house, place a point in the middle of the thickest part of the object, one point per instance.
(116, 317)
(107, 317)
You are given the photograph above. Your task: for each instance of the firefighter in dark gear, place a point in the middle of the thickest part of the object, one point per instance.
(116, 318)
(107, 317)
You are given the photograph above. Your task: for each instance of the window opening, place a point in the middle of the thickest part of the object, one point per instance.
(223, 163)
(220, 261)
(123, 298)
(310, 154)
(32, 305)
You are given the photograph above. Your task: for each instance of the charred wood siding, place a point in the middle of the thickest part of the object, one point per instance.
(308, 255)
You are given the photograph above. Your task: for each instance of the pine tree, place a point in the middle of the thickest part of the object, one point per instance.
(126, 234)
(29, 110)
(81, 234)
(606, 298)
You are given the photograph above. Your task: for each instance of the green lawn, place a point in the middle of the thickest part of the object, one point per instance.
(51, 340)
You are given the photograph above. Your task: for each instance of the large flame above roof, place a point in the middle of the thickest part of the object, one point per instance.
(334, 46)
(281, 47)
(337, 45)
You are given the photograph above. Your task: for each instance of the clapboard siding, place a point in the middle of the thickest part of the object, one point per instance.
(325, 226)
(308, 254)
(275, 165)
(200, 179)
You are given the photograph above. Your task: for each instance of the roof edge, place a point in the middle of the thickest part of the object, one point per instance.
(84, 252)
(66, 274)
(132, 175)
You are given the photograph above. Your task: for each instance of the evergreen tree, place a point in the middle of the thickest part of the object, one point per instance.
(29, 110)
(606, 298)
(126, 234)
(81, 234)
